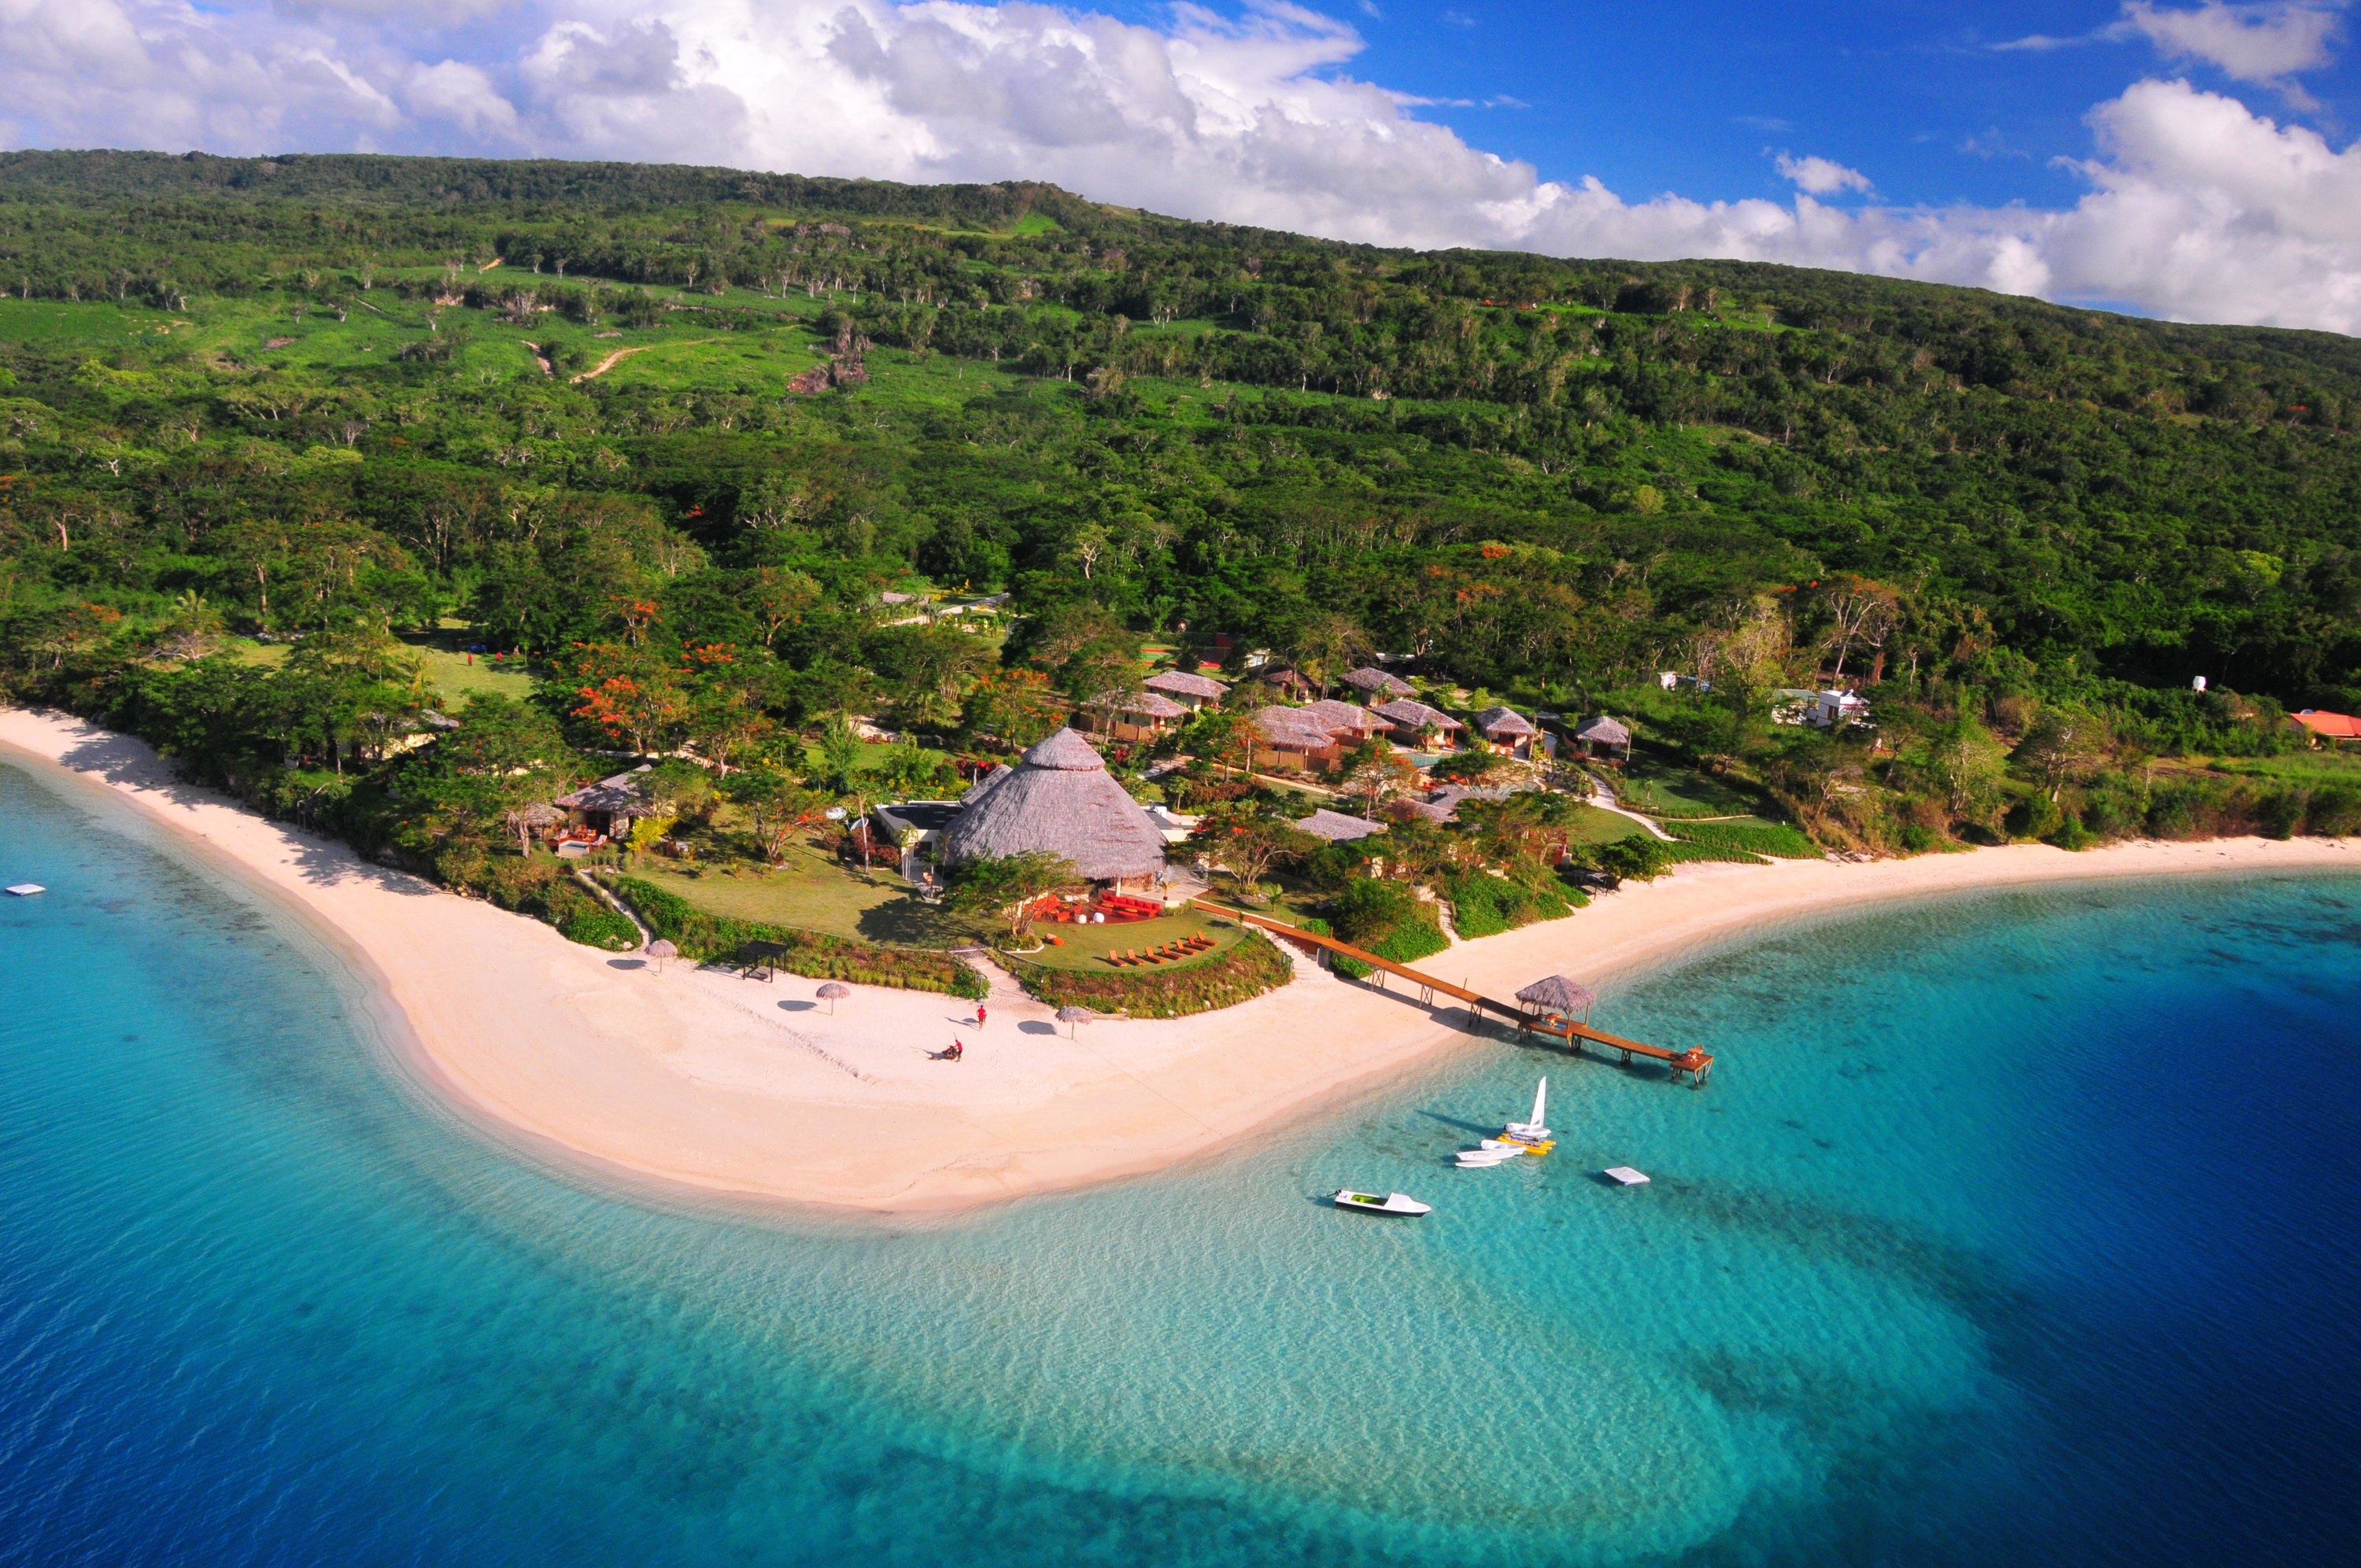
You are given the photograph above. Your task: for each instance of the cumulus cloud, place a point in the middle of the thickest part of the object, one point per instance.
(1820, 176)
(2251, 43)
(2197, 207)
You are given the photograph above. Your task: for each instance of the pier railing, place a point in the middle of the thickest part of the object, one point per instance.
(1693, 1063)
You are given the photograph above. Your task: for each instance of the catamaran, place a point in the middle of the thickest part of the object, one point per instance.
(1371, 1203)
(1535, 1130)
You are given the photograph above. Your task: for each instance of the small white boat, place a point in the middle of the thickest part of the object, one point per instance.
(1535, 1130)
(1371, 1203)
(1475, 1159)
(26, 889)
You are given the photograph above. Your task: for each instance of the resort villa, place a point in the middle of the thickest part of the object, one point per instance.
(1287, 740)
(1131, 716)
(604, 810)
(1338, 827)
(1417, 725)
(1059, 799)
(1601, 733)
(1377, 686)
(1506, 730)
(1190, 690)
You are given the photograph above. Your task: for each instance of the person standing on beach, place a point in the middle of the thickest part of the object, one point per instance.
(979, 1015)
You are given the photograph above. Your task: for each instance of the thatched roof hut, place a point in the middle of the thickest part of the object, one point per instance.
(1338, 827)
(1146, 704)
(612, 803)
(1501, 725)
(1603, 732)
(1058, 799)
(1192, 688)
(1412, 718)
(1343, 719)
(1556, 993)
(1377, 683)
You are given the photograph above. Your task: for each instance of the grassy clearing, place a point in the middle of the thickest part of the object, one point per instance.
(455, 676)
(813, 893)
(1592, 825)
(703, 937)
(1665, 791)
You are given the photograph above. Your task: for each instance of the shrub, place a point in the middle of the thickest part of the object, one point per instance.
(2333, 811)
(1918, 838)
(1773, 839)
(597, 927)
(1247, 969)
(701, 937)
(1483, 904)
(1384, 918)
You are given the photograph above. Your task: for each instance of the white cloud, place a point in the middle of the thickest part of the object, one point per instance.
(1821, 177)
(2197, 207)
(2252, 43)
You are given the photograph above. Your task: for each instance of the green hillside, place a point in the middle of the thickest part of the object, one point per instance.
(605, 416)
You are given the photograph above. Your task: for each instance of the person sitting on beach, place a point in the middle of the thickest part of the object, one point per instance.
(956, 1052)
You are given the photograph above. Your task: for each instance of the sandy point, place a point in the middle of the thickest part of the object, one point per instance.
(733, 1086)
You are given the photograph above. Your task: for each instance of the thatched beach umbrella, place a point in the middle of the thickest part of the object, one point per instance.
(660, 949)
(1071, 1016)
(1556, 993)
(832, 992)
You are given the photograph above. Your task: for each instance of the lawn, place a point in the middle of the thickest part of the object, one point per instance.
(455, 676)
(1086, 947)
(816, 894)
(1667, 790)
(1592, 825)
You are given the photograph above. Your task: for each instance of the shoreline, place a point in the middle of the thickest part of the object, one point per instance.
(735, 1089)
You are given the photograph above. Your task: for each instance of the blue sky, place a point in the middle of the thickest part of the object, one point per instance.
(1687, 95)
(2193, 159)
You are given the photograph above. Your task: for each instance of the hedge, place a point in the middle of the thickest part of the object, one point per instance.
(1775, 839)
(700, 937)
(1247, 969)
(1483, 904)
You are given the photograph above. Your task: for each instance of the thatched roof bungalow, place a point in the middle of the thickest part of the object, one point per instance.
(1377, 686)
(1602, 731)
(1131, 716)
(1061, 800)
(1338, 827)
(1413, 720)
(611, 805)
(1287, 741)
(1187, 687)
(1343, 718)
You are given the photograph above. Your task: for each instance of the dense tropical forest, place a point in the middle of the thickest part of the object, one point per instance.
(623, 461)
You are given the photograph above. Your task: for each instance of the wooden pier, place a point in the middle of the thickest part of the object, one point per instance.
(1694, 1064)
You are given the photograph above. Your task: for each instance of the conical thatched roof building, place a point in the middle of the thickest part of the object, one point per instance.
(1059, 798)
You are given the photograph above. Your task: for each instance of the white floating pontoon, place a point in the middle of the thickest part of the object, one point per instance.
(27, 889)
(1624, 1176)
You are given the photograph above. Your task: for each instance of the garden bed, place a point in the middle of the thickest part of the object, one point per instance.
(703, 937)
(1246, 970)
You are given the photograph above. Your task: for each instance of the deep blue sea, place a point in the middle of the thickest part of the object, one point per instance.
(2021, 1228)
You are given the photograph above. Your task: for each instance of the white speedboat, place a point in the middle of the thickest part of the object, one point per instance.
(1372, 1203)
(1478, 1159)
(1535, 1130)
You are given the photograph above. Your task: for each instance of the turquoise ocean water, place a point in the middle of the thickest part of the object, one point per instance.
(2016, 1228)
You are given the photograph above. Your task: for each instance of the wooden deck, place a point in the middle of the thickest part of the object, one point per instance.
(1695, 1064)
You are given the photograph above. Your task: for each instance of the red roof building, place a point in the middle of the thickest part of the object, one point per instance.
(2329, 726)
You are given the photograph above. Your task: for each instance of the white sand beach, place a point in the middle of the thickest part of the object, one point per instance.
(734, 1086)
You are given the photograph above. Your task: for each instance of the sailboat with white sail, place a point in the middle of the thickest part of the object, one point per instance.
(1534, 1129)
